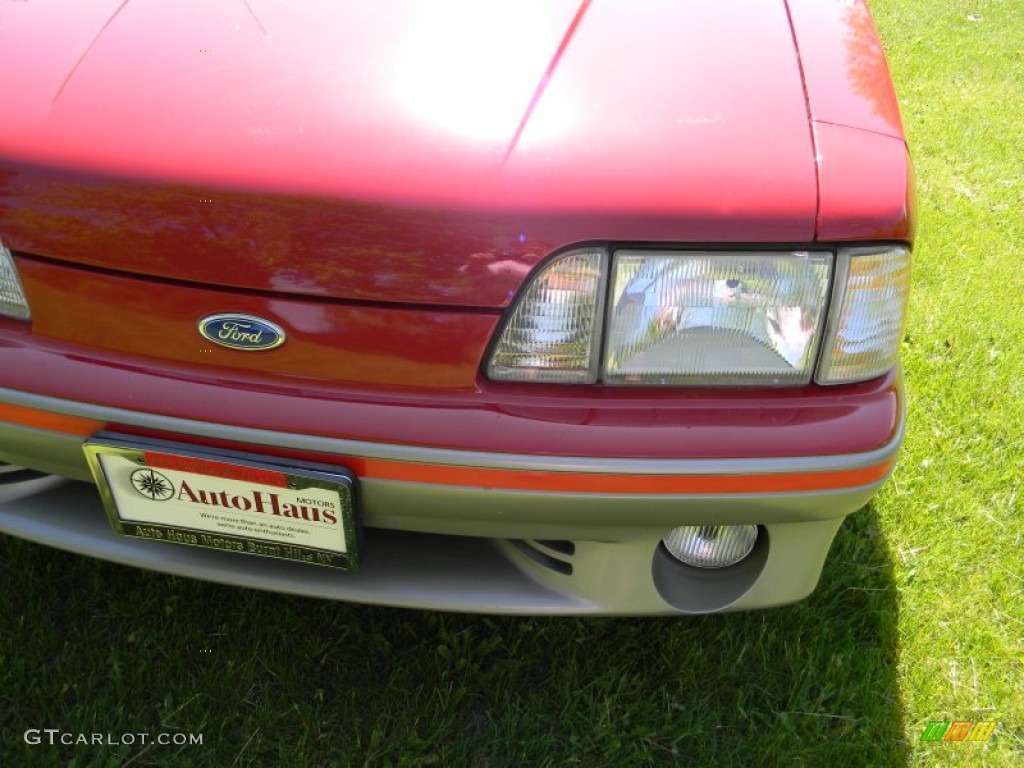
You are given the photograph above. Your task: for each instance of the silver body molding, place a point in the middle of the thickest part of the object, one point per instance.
(345, 447)
(467, 549)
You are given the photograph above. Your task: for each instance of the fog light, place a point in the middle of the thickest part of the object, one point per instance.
(711, 546)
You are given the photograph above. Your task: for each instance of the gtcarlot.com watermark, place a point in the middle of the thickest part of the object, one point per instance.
(55, 736)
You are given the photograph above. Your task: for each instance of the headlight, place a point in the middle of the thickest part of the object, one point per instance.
(707, 318)
(715, 318)
(866, 327)
(12, 298)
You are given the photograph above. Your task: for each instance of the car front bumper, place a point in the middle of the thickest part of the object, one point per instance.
(468, 530)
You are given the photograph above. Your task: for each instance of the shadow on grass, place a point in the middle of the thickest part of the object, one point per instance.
(268, 679)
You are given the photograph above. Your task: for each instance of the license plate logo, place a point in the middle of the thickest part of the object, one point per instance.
(153, 485)
(227, 503)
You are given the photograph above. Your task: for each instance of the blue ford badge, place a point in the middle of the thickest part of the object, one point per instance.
(241, 332)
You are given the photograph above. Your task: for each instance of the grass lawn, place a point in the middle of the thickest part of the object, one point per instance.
(919, 616)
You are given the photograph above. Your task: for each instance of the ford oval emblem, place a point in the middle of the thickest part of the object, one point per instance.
(245, 332)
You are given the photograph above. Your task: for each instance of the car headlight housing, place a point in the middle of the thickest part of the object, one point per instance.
(707, 318)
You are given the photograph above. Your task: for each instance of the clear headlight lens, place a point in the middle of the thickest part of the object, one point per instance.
(715, 318)
(12, 298)
(864, 334)
(553, 333)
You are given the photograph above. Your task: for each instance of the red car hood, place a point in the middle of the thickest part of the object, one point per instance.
(413, 152)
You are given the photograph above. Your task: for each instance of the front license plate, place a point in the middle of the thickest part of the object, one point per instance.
(210, 499)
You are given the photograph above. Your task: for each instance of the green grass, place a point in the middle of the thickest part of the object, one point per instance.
(919, 616)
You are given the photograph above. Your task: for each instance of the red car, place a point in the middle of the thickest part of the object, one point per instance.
(561, 307)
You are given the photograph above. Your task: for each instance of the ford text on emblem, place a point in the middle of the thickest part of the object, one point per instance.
(244, 332)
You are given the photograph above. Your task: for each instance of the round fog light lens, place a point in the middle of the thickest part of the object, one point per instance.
(711, 546)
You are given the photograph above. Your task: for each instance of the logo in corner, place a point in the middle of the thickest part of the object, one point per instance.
(245, 332)
(958, 730)
(152, 484)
